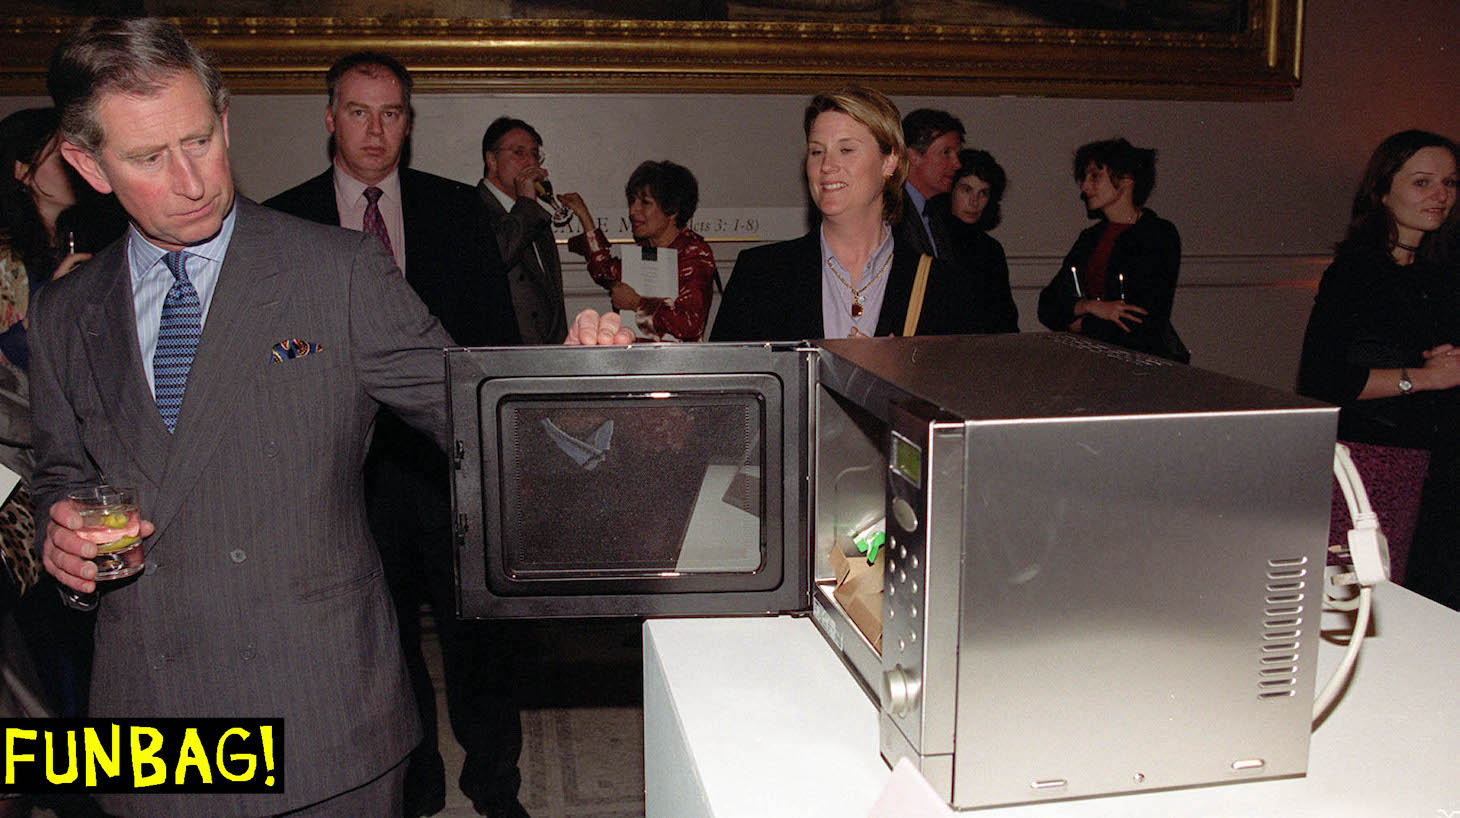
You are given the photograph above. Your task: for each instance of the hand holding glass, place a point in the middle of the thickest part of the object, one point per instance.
(562, 214)
(109, 519)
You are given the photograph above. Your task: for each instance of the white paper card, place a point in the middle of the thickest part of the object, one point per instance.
(8, 481)
(650, 278)
(908, 795)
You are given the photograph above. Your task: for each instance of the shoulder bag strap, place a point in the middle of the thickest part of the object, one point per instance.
(915, 302)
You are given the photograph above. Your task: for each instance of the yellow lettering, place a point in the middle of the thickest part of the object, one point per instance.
(96, 753)
(12, 734)
(266, 733)
(252, 759)
(192, 754)
(147, 756)
(71, 765)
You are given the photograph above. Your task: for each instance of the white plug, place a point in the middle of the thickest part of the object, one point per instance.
(1369, 550)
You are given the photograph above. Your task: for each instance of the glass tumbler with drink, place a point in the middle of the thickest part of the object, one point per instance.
(109, 519)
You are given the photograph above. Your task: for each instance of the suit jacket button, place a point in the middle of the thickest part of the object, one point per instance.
(159, 662)
(270, 449)
(237, 555)
(149, 568)
(247, 653)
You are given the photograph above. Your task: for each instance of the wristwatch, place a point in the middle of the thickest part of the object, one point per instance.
(1405, 384)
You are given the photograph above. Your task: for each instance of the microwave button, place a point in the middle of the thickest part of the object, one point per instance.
(899, 690)
(903, 512)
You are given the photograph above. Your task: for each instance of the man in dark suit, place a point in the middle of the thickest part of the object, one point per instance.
(511, 171)
(433, 226)
(934, 139)
(227, 361)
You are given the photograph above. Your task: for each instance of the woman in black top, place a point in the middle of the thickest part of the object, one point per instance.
(1119, 280)
(1382, 338)
(970, 211)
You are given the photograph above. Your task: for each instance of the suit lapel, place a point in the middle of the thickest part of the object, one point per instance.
(807, 285)
(109, 332)
(322, 192)
(899, 290)
(243, 306)
(421, 239)
(941, 235)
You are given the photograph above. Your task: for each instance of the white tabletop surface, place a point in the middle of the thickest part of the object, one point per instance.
(756, 717)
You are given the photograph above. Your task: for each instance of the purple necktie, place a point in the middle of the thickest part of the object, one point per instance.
(374, 222)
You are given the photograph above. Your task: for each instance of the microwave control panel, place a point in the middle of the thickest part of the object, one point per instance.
(919, 601)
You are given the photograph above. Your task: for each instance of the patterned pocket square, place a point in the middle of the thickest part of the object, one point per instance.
(289, 349)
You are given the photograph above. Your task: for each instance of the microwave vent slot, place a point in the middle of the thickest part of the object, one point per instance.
(1277, 661)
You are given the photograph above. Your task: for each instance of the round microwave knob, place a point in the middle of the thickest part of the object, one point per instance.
(899, 691)
(906, 516)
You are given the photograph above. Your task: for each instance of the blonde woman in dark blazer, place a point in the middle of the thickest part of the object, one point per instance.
(849, 276)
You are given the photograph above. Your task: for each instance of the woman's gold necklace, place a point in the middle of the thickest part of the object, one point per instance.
(856, 306)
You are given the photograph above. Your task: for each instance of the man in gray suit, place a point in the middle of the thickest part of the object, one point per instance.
(263, 594)
(511, 170)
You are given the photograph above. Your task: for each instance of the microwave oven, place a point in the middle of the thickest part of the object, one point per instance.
(1101, 570)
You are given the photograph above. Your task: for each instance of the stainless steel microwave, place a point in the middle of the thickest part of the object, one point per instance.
(1101, 570)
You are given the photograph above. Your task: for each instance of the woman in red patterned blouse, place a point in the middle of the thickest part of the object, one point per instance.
(662, 197)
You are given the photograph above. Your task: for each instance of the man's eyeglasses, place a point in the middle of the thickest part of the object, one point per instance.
(535, 154)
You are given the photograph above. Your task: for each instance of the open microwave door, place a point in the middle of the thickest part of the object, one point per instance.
(649, 480)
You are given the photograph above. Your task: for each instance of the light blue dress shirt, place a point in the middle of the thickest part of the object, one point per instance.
(151, 280)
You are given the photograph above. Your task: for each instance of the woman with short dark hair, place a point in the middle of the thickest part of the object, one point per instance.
(1118, 281)
(970, 211)
(662, 198)
(1383, 341)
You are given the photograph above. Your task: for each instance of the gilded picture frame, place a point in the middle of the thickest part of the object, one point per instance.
(290, 54)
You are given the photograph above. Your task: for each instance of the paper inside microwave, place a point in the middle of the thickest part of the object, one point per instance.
(859, 588)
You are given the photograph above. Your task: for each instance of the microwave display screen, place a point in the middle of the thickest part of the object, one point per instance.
(654, 483)
(907, 460)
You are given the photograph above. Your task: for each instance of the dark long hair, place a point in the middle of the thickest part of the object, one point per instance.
(1371, 226)
(24, 137)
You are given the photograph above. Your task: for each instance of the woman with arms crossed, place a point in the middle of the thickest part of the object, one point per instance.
(1381, 341)
(1119, 280)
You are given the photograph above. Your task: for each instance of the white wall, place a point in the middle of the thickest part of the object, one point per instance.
(1260, 191)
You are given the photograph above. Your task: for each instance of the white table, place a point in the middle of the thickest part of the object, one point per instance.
(756, 717)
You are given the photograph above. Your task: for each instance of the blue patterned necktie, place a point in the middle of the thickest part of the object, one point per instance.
(177, 339)
(374, 221)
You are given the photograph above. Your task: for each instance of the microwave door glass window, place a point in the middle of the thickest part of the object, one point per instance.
(603, 487)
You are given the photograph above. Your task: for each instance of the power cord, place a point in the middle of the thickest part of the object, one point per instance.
(1367, 555)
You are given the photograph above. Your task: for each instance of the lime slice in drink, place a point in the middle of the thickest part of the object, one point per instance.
(115, 519)
(120, 545)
